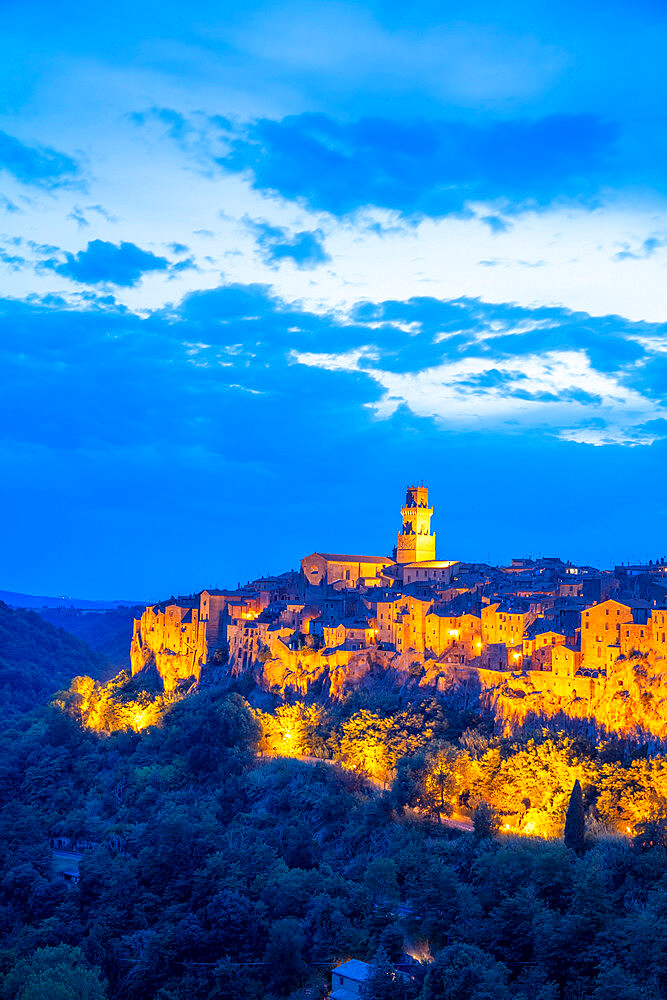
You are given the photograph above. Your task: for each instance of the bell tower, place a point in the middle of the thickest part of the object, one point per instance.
(415, 541)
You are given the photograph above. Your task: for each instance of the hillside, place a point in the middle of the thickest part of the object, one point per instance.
(107, 632)
(37, 659)
(37, 602)
(208, 871)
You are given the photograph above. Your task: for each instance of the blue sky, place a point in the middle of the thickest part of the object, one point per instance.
(263, 264)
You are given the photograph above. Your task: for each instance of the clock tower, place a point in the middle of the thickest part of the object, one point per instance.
(416, 543)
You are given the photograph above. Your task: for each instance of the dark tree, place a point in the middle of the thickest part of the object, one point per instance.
(574, 820)
(485, 821)
(651, 833)
(381, 981)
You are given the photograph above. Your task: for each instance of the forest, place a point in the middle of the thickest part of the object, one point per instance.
(240, 846)
(214, 872)
(37, 658)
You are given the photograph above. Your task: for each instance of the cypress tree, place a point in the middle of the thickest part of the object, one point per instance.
(574, 820)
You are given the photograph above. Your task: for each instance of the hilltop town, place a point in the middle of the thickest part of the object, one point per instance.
(539, 636)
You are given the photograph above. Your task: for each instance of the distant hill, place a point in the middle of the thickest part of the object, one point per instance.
(107, 632)
(16, 600)
(37, 659)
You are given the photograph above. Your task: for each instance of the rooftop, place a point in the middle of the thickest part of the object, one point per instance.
(340, 557)
(430, 564)
(353, 969)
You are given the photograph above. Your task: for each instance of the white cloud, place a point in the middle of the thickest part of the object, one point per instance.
(557, 390)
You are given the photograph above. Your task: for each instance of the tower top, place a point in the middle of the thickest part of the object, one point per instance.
(416, 543)
(416, 496)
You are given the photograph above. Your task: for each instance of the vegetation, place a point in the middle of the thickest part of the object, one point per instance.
(107, 632)
(216, 863)
(527, 782)
(211, 871)
(37, 658)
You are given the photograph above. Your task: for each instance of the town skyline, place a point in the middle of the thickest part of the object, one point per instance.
(643, 559)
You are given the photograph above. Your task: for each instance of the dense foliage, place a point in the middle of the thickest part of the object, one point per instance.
(436, 767)
(37, 658)
(214, 873)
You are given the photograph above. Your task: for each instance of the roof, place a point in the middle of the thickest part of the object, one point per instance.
(354, 969)
(541, 626)
(430, 564)
(339, 557)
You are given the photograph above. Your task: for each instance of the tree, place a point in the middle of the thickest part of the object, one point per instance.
(465, 972)
(441, 780)
(284, 953)
(651, 833)
(574, 820)
(485, 821)
(381, 981)
(59, 973)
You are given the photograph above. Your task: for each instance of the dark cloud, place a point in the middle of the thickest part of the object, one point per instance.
(101, 262)
(111, 422)
(15, 262)
(304, 248)
(36, 165)
(76, 215)
(105, 375)
(175, 124)
(646, 249)
(497, 224)
(430, 168)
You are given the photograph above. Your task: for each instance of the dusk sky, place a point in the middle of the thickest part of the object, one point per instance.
(265, 264)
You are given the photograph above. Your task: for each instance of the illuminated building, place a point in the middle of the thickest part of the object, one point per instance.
(416, 543)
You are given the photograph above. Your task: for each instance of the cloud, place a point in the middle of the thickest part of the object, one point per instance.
(458, 366)
(175, 124)
(646, 249)
(76, 215)
(496, 224)
(554, 392)
(15, 262)
(427, 168)
(37, 165)
(304, 248)
(101, 262)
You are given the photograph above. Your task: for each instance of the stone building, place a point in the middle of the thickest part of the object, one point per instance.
(344, 571)
(173, 638)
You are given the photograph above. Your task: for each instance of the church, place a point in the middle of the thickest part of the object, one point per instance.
(413, 559)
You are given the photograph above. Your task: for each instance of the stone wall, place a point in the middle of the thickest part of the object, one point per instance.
(173, 639)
